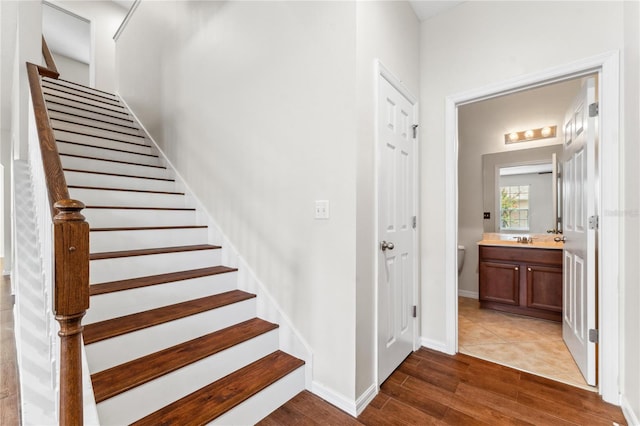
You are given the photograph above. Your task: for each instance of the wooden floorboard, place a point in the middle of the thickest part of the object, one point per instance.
(432, 388)
(9, 390)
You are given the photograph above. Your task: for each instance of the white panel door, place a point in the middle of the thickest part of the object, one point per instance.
(579, 281)
(396, 208)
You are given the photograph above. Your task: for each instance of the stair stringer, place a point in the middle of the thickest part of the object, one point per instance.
(290, 340)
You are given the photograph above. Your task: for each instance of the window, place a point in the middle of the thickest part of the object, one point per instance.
(514, 208)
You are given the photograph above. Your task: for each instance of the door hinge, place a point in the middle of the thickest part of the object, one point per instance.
(414, 222)
(594, 222)
(594, 109)
(415, 311)
(594, 336)
(415, 130)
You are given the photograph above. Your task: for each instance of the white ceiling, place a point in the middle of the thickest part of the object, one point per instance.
(426, 9)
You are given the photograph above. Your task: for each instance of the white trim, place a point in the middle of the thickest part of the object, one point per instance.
(608, 66)
(381, 71)
(469, 294)
(436, 345)
(366, 397)
(290, 340)
(126, 20)
(348, 405)
(630, 416)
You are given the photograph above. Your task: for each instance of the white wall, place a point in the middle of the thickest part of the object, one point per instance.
(105, 17)
(390, 32)
(70, 69)
(471, 46)
(255, 104)
(630, 273)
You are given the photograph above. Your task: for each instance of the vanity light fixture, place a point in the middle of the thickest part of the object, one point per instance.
(530, 135)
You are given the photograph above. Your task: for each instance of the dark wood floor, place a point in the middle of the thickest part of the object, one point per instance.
(431, 388)
(8, 365)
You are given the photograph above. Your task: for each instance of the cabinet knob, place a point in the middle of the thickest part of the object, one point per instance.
(529, 269)
(517, 268)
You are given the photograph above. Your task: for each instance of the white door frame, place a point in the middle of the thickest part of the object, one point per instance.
(607, 66)
(382, 72)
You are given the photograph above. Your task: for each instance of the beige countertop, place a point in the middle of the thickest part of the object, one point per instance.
(539, 241)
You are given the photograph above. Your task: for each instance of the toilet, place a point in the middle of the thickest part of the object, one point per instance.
(460, 258)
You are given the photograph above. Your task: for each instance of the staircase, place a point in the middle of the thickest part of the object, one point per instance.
(169, 337)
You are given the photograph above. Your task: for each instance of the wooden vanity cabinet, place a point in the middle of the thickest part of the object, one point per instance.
(525, 281)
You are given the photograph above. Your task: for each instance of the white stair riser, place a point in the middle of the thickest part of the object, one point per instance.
(123, 268)
(75, 91)
(145, 399)
(87, 99)
(95, 132)
(111, 167)
(81, 105)
(127, 128)
(140, 146)
(58, 108)
(69, 85)
(118, 350)
(108, 181)
(121, 303)
(89, 151)
(105, 218)
(266, 401)
(96, 197)
(102, 241)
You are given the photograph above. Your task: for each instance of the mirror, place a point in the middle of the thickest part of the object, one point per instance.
(520, 191)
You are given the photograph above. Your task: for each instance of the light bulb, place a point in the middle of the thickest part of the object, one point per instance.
(528, 134)
(545, 132)
(513, 137)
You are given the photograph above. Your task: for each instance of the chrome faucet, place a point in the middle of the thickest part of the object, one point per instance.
(524, 240)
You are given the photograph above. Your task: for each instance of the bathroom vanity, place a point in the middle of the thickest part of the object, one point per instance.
(524, 279)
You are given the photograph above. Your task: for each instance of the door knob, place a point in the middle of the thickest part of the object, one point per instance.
(559, 239)
(386, 246)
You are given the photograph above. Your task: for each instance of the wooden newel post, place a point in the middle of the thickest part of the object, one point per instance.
(70, 302)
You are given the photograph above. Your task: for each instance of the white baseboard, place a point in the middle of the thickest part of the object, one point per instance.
(433, 344)
(467, 293)
(629, 415)
(366, 397)
(347, 405)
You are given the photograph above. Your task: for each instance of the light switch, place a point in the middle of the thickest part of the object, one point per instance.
(322, 209)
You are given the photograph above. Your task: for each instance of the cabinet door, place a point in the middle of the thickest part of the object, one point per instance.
(499, 282)
(544, 287)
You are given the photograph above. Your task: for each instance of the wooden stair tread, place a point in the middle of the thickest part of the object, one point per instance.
(76, 107)
(58, 80)
(209, 402)
(49, 97)
(81, 88)
(123, 377)
(118, 175)
(146, 228)
(126, 324)
(133, 132)
(141, 208)
(87, 145)
(127, 126)
(145, 252)
(146, 191)
(132, 283)
(115, 103)
(86, 157)
(75, 132)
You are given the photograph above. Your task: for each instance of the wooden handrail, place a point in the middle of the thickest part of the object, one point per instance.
(70, 252)
(48, 59)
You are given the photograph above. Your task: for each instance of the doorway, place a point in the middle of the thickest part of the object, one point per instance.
(508, 188)
(607, 67)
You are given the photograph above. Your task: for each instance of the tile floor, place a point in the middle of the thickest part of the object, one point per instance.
(528, 344)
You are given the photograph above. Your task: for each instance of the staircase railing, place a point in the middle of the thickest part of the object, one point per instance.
(70, 255)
